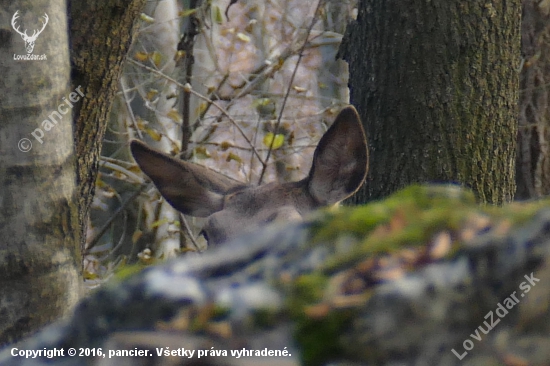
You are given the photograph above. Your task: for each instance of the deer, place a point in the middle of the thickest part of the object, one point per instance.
(231, 208)
(29, 40)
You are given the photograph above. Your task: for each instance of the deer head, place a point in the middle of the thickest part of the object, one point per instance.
(29, 40)
(339, 167)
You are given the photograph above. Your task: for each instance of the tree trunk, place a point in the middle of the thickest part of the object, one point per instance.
(44, 198)
(40, 261)
(98, 49)
(533, 162)
(436, 84)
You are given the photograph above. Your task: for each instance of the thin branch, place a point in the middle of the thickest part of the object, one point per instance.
(300, 56)
(105, 226)
(188, 88)
(122, 170)
(183, 221)
(129, 108)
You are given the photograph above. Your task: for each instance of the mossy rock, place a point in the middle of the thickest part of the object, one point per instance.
(420, 278)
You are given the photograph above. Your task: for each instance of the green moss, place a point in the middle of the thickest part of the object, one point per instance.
(517, 212)
(266, 318)
(128, 271)
(318, 336)
(409, 218)
(309, 289)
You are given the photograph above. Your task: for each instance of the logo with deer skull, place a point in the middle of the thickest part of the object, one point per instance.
(29, 40)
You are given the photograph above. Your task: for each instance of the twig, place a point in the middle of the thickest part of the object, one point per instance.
(300, 56)
(105, 226)
(188, 88)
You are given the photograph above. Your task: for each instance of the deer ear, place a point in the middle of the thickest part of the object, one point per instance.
(340, 162)
(189, 188)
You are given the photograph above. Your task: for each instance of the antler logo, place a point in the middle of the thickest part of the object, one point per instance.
(29, 40)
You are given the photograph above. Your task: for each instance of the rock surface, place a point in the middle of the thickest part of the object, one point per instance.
(426, 277)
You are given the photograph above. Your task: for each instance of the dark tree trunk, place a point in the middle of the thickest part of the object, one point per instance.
(436, 84)
(533, 162)
(98, 49)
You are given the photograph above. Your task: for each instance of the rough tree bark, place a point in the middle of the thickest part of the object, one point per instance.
(44, 195)
(533, 161)
(98, 49)
(436, 84)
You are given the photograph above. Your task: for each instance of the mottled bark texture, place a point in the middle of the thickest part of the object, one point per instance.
(101, 33)
(436, 83)
(533, 160)
(40, 260)
(42, 210)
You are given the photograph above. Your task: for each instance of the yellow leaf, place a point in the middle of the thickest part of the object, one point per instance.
(100, 183)
(141, 123)
(187, 12)
(202, 108)
(174, 116)
(151, 94)
(276, 140)
(226, 31)
(243, 37)
(159, 222)
(260, 102)
(217, 14)
(299, 89)
(134, 169)
(156, 57)
(90, 275)
(155, 135)
(146, 18)
(235, 157)
(141, 56)
(201, 152)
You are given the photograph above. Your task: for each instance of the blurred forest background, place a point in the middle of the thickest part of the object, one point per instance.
(247, 88)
